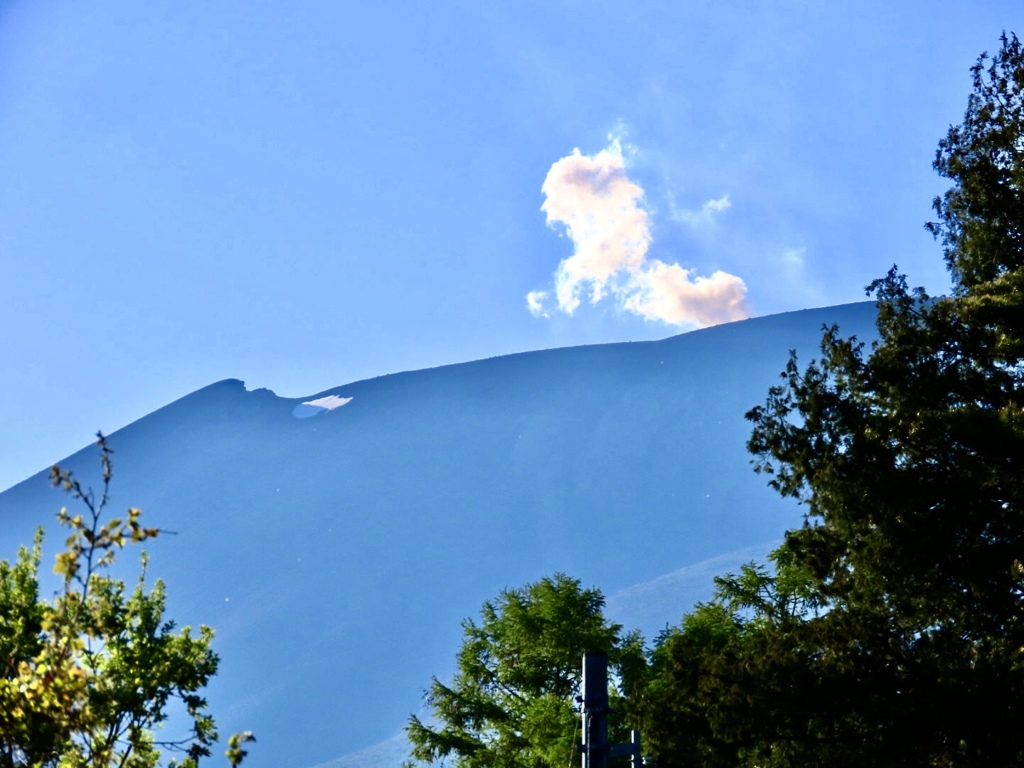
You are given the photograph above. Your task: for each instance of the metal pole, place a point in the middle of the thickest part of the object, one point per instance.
(637, 749)
(595, 709)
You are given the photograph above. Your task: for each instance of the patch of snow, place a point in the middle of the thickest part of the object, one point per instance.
(330, 402)
(320, 405)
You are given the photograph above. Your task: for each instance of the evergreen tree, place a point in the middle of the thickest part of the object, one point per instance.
(705, 698)
(908, 457)
(512, 702)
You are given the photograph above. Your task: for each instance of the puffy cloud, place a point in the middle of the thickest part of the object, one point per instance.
(706, 214)
(668, 293)
(601, 210)
(535, 303)
(716, 206)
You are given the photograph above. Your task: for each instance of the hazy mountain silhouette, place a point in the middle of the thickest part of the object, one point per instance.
(336, 546)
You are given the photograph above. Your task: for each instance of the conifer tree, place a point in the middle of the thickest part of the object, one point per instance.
(908, 457)
(512, 702)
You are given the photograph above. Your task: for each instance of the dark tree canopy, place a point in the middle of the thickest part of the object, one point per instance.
(908, 457)
(700, 703)
(981, 217)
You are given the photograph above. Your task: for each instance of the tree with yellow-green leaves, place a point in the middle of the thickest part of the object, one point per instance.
(90, 677)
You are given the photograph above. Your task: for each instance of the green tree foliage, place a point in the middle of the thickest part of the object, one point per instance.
(89, 678)
(512, 702)
(908, 457)
(698, 703)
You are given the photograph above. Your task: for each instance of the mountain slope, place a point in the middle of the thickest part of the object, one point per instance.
(336, 553)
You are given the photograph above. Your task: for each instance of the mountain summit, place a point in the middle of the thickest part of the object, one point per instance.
(336, 541)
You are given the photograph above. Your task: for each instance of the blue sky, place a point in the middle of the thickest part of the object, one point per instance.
(301, 195)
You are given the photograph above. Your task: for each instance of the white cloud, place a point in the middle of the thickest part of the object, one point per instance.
(706, 214)
(717, 206)
(601, 210)
(668, 293)
(535, 303)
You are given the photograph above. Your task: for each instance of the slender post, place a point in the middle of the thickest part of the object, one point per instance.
(636, 750)
(595, 710)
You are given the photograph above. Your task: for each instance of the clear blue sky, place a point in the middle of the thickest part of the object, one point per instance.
(303, 194)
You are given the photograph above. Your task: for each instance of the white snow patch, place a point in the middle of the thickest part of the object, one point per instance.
(330, 402)
(320, 405)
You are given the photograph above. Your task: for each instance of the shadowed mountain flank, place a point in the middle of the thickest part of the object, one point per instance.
(335, 554)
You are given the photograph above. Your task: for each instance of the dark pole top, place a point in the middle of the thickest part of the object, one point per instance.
(595, 709)
(595, 679)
